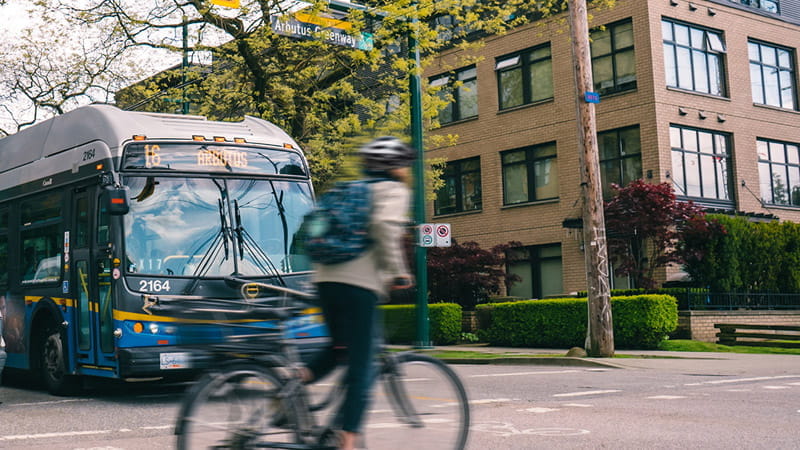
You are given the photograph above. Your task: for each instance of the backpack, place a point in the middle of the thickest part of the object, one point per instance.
(336, 230)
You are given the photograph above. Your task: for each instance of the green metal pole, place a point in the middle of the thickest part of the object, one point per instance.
(423, 327)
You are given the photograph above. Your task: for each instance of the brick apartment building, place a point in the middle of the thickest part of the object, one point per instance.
(702, 94)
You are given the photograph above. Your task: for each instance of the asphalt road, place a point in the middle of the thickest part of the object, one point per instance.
(712, 401)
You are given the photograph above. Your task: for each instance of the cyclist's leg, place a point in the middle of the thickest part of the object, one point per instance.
(350, 318)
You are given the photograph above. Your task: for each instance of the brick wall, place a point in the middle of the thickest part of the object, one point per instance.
(699, 325)
(651, 106)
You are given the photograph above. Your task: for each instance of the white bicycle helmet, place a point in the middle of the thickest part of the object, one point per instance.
(387, 152)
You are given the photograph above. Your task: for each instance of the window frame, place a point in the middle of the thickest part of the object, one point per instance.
(533, 256)
(787, 166)
(672, 49)
(716, 137)
(524, 61)
(451, 84)
(776, 67)
(619, 157)
(614, 53)
(530, 163)
(457, 176)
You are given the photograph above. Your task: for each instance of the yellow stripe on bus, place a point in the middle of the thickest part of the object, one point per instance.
(70, 302)
(124, 315)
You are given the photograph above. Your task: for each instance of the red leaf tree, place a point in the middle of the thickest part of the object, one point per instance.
(644, 222)
(466, 273)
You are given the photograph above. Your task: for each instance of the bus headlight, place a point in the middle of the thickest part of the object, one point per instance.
(154, 328)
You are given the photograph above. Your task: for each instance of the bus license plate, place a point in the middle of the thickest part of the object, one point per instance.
(174, 361)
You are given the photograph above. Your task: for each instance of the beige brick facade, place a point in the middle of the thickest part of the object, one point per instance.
(651, 106)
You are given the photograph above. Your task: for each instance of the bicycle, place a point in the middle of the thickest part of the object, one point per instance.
(255, 397)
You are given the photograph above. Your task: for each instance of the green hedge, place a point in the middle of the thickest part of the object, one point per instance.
(640, 321)
(400, 323)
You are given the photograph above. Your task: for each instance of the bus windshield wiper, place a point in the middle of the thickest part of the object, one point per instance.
(246, 242)
(220, 241)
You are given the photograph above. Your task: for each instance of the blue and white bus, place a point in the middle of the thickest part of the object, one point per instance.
(103, 211)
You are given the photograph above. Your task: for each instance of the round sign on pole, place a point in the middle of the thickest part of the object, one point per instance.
(443, 235)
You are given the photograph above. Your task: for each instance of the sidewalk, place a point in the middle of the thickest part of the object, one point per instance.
(626, 359)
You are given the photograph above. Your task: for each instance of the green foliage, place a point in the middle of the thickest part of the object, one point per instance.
(466, 274)
(469, 338)
(749, 256)
(643, 321)
(401, 327)
(640, 321)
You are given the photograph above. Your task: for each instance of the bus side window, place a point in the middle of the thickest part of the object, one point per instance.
(41, 238)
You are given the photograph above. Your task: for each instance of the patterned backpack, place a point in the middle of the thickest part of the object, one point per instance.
(336, 230)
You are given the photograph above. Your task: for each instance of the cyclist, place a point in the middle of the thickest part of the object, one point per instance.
(350, 291)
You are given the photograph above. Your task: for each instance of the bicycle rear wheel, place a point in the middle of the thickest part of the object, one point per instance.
(424, 406)
(237, 407)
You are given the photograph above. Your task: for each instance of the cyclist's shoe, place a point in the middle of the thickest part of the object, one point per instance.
(329, 439)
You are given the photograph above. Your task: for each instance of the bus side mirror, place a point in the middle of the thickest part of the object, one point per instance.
(116, 200)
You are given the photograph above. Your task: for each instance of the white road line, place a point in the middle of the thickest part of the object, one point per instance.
(577, 394)
(489, 400)
(158, 427)
(744, 380)
(579, 405)
(20, 437)
(52, 402)
(775, 387)
(516, 374)
(538, 410)
(666, 397)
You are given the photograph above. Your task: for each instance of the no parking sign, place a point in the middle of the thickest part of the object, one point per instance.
(434, 235)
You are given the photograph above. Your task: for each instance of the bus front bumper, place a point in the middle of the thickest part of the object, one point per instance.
(162, 361)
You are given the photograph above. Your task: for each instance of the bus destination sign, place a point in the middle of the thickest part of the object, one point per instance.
(212, 158)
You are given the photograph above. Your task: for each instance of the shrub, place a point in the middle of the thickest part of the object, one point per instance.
(400, 323)
(640, 321)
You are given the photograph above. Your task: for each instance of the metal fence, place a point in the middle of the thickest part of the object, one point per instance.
(704, 300)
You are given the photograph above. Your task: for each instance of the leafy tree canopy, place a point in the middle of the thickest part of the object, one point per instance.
(328, 97)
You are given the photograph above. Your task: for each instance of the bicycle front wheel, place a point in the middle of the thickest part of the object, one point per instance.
(237, 407)
(424, 405)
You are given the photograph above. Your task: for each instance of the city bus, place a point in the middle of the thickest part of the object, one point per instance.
(104, 211)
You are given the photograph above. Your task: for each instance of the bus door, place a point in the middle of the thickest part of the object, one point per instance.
(91, 281)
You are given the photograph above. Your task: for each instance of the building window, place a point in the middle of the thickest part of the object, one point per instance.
(525, 77)
(766, 5)
(613, 62)
(779, 172)
(462, 187)
(530, 174)
(620, 158)
(771, 75)
(460, 91)
(700, 163)
(539, 269)
(693, 58)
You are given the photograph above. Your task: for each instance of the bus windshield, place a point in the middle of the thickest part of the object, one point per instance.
(212, 227)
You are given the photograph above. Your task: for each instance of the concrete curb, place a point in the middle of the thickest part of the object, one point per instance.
(535, 361)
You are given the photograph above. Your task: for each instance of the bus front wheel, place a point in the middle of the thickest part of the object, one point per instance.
(54, 365)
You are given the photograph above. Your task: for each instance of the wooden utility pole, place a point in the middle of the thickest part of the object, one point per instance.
(600, 333)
